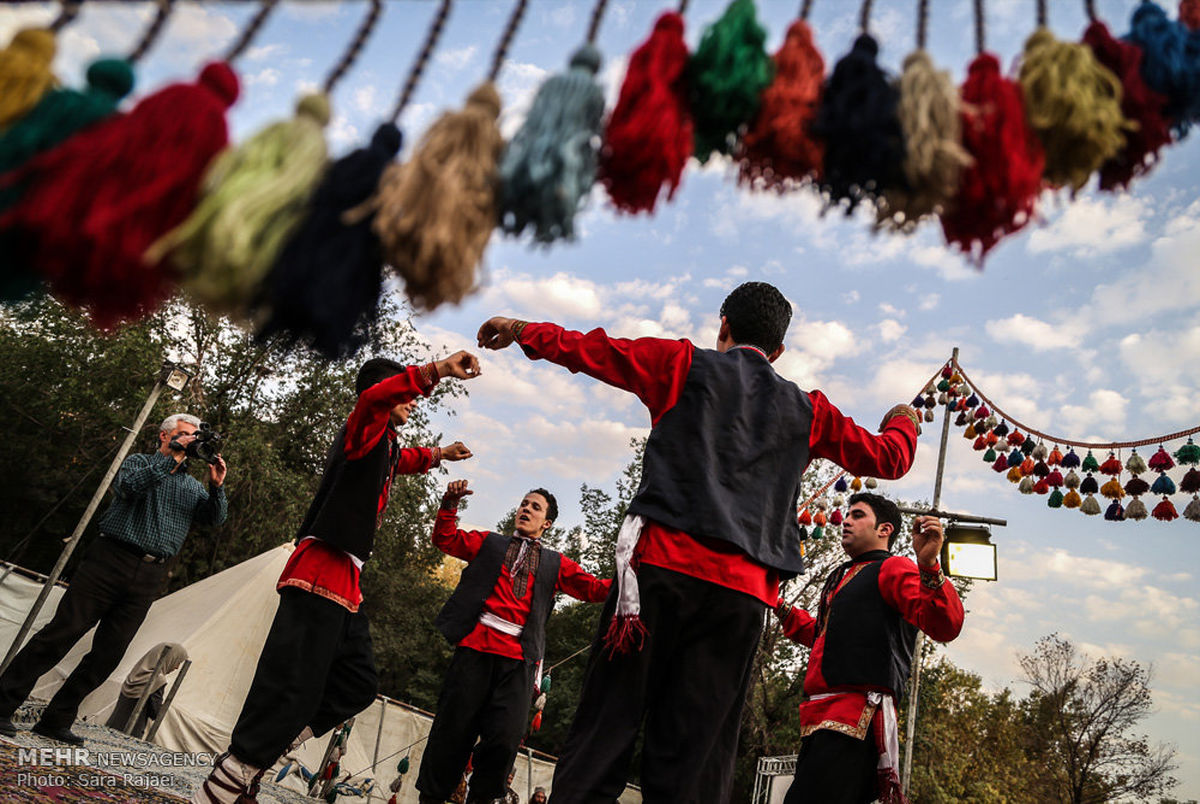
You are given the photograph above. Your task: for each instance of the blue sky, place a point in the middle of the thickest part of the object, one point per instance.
(1085, 325)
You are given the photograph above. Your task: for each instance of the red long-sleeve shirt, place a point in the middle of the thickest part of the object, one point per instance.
(656, 370)
(316, 566)
(503, 602)
(937, 612)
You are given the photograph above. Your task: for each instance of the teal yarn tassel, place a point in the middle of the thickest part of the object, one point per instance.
(58, 115)
(550, 165)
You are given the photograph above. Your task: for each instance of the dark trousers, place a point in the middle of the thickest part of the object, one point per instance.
(485, 696)
(125, 706)
(316, 669)
(688, 683)
(112, 590)
(834, 768)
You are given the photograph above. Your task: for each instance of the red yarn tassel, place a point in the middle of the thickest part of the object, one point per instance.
(1165, 511)
(649, 134)
(778, 148)
(1139, 104)
(997, 194)
(1189, 14)
(96, 202)
(625, 634)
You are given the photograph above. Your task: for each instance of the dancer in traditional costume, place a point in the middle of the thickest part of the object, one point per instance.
(862, 642)
(316, 668)
(709, 534)
(497, 618)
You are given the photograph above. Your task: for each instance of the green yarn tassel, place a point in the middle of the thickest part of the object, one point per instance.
(402, 766)
(550, 165)
(727, 74)
(1090, 464)
(1188, 454)
(253, 197)
(1056, 499)
(1073, 102)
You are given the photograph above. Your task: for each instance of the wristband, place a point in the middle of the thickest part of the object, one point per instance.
(517, 328)
(932, 579)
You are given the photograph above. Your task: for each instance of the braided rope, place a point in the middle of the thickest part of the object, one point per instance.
(70, 10)
(250, 31)
(510, 31)
(864, 18)
(922, 22)
(1111, 445)
(418, 68)
(356, 46)
(1089, 7)
(683, 4)
(980, 39)
(805, 8)
(594, 25)
(156, 26)
(1041, 13)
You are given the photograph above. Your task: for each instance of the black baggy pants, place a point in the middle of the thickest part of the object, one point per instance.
(688, 683)
(316, 669)
(485, 696)
(112, 589)
(834, 768)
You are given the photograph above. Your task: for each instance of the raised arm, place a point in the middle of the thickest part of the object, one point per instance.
(447, 537)
(581, 584)
(654, 369)
(836, 437)
(797, 624)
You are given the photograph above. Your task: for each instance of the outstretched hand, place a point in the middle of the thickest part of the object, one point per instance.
(497, 333)
(462, 364)
(455, 491)
(902, 410)
(457, 451)
(927, 539)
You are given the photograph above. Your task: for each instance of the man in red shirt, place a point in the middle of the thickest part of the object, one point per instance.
(709, 534)
(316, 668)
(862, 642)
(497, 619)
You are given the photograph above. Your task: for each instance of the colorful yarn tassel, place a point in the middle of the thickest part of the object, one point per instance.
(1115, 513)
(649, 134)
(778, 148)
(141, 172)
(59, 114)
(1090, 506)
(933, 157)
(857, 123)
(1192, 511)
(1135, 486)
(1163, 485)
(438, 210)
(1055, 500)
(1190, 482)
(1072, 500)
(726, 76)
(1189, 13)
(998, 192)
(324, 288)
(1170, 62)
(25, 74)
(1188, 454)
(253, 198)
(1165, 511)
(1136, 463)
(1073, 103)
(1141, 106)
(550, 165)
(1136, 510)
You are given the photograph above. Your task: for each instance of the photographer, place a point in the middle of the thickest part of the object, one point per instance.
(122, 574)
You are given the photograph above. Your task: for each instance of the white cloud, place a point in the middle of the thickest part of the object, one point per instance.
(1094, 225)
(266, 77)
(1102, 416)
(364, 98)
(891, 330)
(455, 59)
(1036, 334)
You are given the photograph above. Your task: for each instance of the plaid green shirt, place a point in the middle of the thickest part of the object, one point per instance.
(154, 508)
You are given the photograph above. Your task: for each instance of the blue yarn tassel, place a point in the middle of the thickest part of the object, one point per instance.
(324, 288)
(1170, 62)
(550, 165)
(1163, 485)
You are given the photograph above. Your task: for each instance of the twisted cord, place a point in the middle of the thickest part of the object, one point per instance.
(251, 30)
(510, 31)
(356, 46)
(418, 68)
(156, 26)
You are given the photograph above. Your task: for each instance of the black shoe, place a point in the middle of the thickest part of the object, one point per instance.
(62, 734)
(7, 727)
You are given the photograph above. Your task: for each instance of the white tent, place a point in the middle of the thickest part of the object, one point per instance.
(223, 621)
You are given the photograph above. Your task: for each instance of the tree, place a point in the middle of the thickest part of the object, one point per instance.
(1083, 713)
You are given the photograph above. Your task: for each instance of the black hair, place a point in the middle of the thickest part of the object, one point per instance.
(884, 509)
(758, 315)
(376, 370)
(551, 504)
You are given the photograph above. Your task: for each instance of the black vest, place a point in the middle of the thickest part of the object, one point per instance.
(345, 510)
(461, 612)
(725, 462)
(867, 642)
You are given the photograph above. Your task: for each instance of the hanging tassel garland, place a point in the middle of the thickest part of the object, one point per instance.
(649, 134)
(778, 149)
(1073, 500)
(252, 200)
(1136, 464)
(726, 76)
(1072, 480)
(1161, 461)
(324, 288)
(1170, 62)
(1089, 485)
(1165, 511)
(141, 172)
(1192, 511)
(1055, 499)
(857, 123)
(1074, 104)
(1112, 489)
(1090, 506)
(933, 158)
(25, 74)
(1111, 465)
(1188, 454)
(1136, 510)
(437, 211)
(1140, 105)
(997, 194)
(1135, 486)
(550, 165)
(1070, 460)
(1090, 464)
(1115, 513)
(1163, 485)
(1190, 482)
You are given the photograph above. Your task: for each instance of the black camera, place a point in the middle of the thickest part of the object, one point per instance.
(206, 445)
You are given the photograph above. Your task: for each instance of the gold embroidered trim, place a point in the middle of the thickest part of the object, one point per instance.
(307, 586)
(858, 732)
